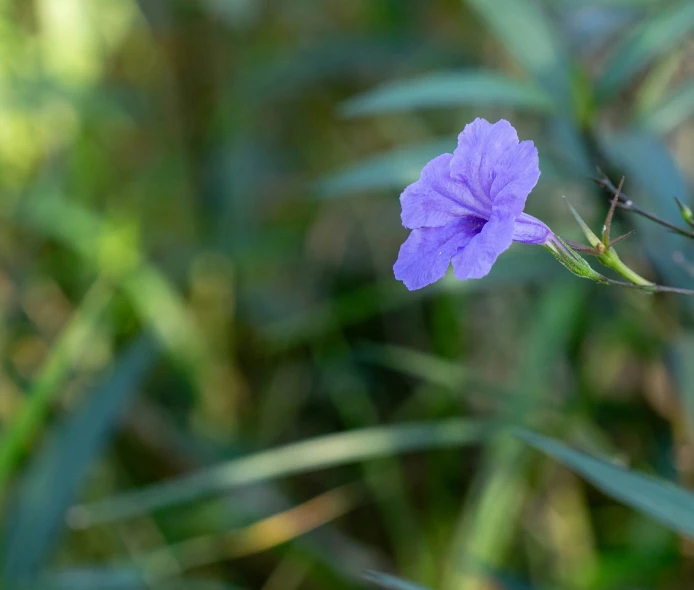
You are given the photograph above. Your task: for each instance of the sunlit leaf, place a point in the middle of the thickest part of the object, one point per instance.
(309, 455)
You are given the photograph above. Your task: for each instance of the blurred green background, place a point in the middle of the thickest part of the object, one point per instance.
(210, 378)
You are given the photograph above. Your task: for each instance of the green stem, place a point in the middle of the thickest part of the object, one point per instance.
(610, 259)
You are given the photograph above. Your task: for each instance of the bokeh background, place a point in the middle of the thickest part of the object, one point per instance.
(210, 378)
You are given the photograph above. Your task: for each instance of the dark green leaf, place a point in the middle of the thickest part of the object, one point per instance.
(54, 478)
(449, 89)
(670, 505)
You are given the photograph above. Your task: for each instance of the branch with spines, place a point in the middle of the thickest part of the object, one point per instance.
(624, 202)
(603, 248)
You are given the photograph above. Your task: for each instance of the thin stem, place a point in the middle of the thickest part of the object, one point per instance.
(610, 214)
(626, 203)
(622, 238)
(651, 288)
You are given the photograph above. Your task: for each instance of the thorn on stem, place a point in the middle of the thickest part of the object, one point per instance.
(610, 214)
(620, 238)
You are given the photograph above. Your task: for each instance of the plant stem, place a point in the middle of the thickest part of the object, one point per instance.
(651, 288)
(626, 203)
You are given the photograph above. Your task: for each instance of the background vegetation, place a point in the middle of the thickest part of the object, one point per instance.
(210, 378)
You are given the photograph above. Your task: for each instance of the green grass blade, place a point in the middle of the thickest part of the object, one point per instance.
(38, 516)
(666, 503)
(68, 350)
(309, 455)
(448, 89)
(662, 31)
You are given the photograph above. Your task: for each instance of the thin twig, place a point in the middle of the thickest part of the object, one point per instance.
(610, 214)
(626, 203)
(651, 288)
(622, 238)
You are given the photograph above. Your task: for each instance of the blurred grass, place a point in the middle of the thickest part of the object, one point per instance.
(210, 378)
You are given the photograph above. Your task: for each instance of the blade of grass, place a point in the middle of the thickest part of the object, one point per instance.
(447, 89)
(255, 538)
(71, 345)
(67, 455)
(666, 503)
(309, 455)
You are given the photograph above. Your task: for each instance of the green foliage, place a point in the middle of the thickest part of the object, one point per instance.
(665, 28)
(669, 504)
(475, 88)
(210, 378)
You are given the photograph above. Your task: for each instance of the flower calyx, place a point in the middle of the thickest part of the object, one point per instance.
(603, 247)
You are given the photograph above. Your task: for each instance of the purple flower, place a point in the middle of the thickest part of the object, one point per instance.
(467, 207)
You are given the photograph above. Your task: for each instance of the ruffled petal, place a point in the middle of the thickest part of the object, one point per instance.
(436, 199)
(475, 259)
(480, 146)
(426, 254)
(515, 174)
(530, 230)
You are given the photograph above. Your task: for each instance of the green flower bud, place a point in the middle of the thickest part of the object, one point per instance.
(571, 260)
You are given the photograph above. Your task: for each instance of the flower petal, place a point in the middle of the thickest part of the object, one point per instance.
(437, 199)
(426, 254)
(480, 146)
(474, 260)
(515, 174)
(530, 230)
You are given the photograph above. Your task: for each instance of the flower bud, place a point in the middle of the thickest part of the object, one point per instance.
(685, 212)
(571, 260)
